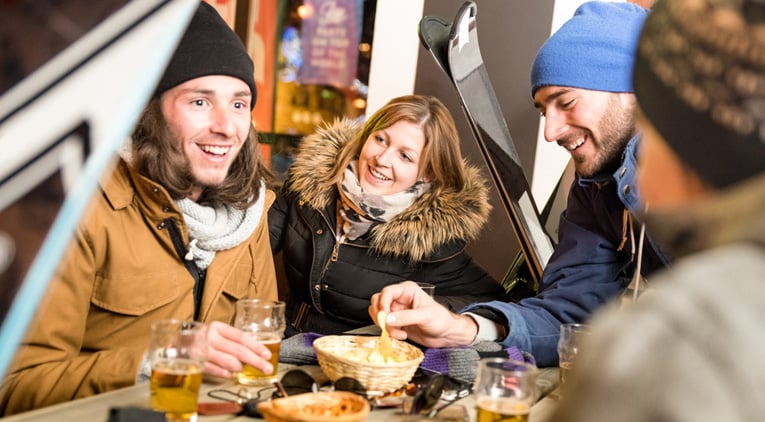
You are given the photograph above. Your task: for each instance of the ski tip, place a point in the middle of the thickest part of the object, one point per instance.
(433, 31)
(434, 36)
(467, 12)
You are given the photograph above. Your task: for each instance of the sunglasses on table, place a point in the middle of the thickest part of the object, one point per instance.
(297, 381)
(293, 382)
(240, 402)
(431, 388)
(427, 389)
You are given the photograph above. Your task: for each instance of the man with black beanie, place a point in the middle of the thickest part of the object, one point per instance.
(178, 230)
(692, 350)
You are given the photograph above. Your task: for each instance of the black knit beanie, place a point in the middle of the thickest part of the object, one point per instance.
(700, 79)
(209, 47)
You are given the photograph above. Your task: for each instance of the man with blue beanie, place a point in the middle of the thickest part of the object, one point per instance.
(691, 350)
(582, 83)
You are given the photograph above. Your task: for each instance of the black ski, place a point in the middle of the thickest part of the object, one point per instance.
(455, 48)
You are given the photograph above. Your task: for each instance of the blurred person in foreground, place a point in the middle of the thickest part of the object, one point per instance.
(369, 205)
(582, 84)
(177, 230)
(692, 349)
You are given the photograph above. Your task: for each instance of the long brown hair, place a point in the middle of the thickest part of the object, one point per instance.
(442, 159)
(156, 155)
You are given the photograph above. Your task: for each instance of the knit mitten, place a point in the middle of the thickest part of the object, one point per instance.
(518, 354)
(298, 349)
(462, 362)
(458, 362)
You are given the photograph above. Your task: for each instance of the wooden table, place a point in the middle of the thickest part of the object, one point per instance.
(96, 408)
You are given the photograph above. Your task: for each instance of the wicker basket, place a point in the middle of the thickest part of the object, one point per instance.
(336, 406)
(331, 352)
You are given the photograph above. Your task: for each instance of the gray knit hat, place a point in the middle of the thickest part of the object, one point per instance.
(700, 79)
(208, 47)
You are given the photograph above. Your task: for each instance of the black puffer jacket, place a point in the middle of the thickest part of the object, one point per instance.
(333, 282)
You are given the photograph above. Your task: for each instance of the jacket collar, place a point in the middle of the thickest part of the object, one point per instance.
(434, 219)
(629, 160)
(624, 177)
(125, 184)
(117, 187)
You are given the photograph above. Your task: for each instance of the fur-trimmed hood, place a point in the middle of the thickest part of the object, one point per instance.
(417, 232)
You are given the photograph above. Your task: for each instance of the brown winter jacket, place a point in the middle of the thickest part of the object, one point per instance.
(91, 330)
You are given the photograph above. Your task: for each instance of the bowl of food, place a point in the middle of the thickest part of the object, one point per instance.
(326, 406)
(359, 357)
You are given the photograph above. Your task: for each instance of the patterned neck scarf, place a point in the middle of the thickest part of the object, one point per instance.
(359, 211)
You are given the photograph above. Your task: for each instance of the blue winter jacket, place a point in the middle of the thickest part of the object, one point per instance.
(587, 268)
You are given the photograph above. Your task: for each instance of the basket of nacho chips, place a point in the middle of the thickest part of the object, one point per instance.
(359, 357)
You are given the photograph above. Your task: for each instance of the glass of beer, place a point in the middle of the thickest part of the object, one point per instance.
(569, 344)
(505, 389)
(428, 288)
(265, 321)
(177, 352)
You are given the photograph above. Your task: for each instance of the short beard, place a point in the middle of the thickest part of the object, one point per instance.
(616, 127)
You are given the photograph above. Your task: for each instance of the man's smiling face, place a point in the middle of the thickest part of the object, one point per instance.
(210, 117)
(593, 126)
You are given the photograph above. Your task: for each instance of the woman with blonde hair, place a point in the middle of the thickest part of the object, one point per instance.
(365, 207)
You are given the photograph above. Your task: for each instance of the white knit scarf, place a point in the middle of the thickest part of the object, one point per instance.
(359, 210)
(213, 229)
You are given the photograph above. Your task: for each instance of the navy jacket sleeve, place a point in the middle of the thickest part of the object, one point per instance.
(584, 272)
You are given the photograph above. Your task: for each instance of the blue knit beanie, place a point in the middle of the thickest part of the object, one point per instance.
(595, 49)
